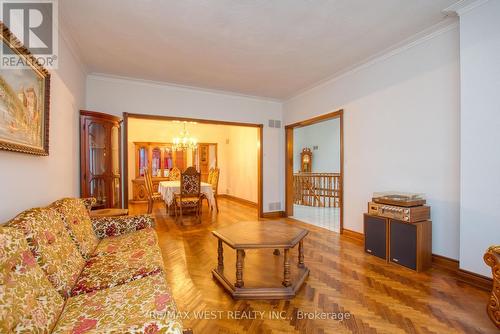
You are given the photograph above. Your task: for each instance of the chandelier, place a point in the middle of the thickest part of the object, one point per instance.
(184, 141)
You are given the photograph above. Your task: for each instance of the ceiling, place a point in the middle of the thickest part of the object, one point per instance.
(268, 48)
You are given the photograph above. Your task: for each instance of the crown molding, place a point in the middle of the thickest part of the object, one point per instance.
(73, 47)
(463, 6)
(438, 29)
(147, 82)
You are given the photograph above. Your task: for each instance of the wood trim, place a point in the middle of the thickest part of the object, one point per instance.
(289, 171)
(477, 280)
(238, 199)
(125, 161)
(354, 235)
(444, 262)
(100, 115)
(190, 119)
(317, 119)
(260, 175)
(260, 202)
(289, 160)
(273, 214)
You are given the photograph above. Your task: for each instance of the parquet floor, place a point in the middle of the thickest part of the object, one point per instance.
(379, 298)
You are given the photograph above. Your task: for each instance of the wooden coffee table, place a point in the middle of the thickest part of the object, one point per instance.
(258, 235)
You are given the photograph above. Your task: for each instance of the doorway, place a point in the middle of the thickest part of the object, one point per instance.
(220, 144)
(314, 171)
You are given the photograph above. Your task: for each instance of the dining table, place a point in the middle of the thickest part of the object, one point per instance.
(168, 189)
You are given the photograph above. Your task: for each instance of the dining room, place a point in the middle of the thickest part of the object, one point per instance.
(182, 168)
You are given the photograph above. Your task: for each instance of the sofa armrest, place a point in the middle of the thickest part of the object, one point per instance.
(113, 226)
(89, 202)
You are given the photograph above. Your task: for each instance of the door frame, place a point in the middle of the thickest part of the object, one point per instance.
(260, 151)
(289, 159)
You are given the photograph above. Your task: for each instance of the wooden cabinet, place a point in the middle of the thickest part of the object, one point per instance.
(100, 158)
(402, 243)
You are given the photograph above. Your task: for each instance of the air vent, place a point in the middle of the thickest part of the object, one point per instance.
(315, 147)
(274, 123)
(275, 206)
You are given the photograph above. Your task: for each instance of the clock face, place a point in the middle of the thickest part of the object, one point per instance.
(306, 158)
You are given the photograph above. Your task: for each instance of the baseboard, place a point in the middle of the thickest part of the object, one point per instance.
(444, 262)
(353, 235)
(477, 280)
(274, 214)
(238, 199)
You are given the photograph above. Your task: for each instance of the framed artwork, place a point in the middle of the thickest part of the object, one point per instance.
(24, 101)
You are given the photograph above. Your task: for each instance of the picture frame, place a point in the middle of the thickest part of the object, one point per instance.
(24, 100)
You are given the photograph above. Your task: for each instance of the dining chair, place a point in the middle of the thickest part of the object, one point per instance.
(189, 194)
(215, 185)
(151, 194)
(175, 174)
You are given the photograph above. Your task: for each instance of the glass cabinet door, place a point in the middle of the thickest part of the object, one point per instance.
(155, 162)
(143, 160)
(97, 162)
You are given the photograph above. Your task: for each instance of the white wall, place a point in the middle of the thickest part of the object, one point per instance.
(401, 130)
(118, 95)
(243, 160)
(28, 181)
(480, 134)
(324, 135)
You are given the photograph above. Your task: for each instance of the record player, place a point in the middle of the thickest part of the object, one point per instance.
(399, 198)
(407, 207)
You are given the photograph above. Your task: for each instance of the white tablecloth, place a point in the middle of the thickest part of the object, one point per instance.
(167, 189)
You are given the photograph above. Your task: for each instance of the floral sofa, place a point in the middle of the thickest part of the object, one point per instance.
(64, 272)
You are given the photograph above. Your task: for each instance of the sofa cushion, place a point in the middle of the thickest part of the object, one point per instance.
(77, 220)
(28, 302)
(52, 246)
(135, 240)
(108, 269)
(141, 306)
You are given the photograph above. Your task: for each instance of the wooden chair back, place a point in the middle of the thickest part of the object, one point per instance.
(148, 182)
(210, 175)
(190, 183)
(215, 180)
(175, 174)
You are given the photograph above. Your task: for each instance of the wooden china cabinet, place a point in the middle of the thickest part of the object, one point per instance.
(159, 159)
(100, 158)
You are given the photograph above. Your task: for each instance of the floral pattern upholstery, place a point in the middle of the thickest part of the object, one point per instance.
(89, 202)
(77, 220)
(113, 226)
(51, 244)
(28, 302)
(122, 243)
(110, 269)
(141, 306)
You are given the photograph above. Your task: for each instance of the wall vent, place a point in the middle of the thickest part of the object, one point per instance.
(315, 147)
(275, 206)
(274, 123)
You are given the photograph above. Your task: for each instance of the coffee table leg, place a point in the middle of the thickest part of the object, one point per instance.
(286, 272)
(239, 268)
(301, 254)
(220, 257)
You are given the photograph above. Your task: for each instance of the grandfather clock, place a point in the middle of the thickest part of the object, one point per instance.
(306, 160)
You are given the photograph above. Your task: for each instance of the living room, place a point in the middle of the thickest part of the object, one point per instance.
(415, 85)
